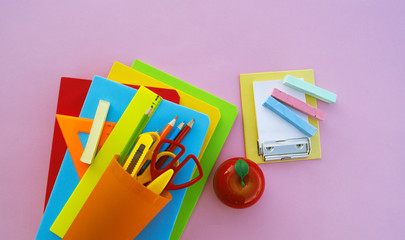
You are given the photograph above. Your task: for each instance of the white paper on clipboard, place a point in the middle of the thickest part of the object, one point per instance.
(270, 126)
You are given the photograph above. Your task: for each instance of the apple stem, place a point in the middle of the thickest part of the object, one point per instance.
(242, 169)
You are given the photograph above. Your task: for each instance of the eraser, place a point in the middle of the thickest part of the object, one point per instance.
(298, 104)
(309, 89)
(290, 116)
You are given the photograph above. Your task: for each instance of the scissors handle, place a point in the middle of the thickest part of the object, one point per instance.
(158, 162)
(172, 186)
(156, 171)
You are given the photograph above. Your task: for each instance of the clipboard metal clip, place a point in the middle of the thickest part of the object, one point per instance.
(285, 149)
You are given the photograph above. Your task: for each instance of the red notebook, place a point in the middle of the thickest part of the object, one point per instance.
(72, 93)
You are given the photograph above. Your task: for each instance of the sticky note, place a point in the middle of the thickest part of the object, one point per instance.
(309, 89)
(298, 104)
(290, 116)
(95, 132)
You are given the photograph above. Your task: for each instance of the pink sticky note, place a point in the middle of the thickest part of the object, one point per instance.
(298, 104)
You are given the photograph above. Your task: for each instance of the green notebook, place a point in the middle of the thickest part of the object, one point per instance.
(228, 114)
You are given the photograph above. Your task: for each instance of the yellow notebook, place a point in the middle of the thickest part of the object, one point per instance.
(249, 114)
(123, 74)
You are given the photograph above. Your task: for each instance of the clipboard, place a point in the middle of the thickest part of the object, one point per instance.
(249, 113)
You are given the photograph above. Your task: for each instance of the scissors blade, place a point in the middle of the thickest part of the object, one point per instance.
(160, 182)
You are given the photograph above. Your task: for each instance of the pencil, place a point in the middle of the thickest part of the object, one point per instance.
(178, 139)
(183, 132)
(168, 128)
(139, 128)
(172, 136)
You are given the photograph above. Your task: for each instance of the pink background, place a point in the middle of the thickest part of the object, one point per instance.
(356, 49)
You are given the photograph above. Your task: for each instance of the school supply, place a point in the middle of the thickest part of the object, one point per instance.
(173, 135)
(134, 108)
(288, 115)
(69, 89)
(118, 208)
(271, 127)
(160, 182)
(292, 148)
(262, 134)
(71, 127)
(139, 128)
(155, 170)
(298, 104)
(310, 89)
(123, 74)
(184, 131)
(168, 128)
(145, 176)
(67, 178)
(95, 132)
(178, 139)
(228, 114)
(72, 93)
(103, 87)
(138, 154)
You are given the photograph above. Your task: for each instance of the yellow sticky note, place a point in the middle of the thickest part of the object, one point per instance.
(126, 75)
(95, 132)
(249, 114)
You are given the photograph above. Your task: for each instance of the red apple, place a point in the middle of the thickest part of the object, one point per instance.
(240, 186)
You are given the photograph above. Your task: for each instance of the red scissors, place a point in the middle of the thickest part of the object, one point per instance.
(155, 171)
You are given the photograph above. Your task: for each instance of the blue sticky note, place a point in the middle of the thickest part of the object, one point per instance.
(291, 117)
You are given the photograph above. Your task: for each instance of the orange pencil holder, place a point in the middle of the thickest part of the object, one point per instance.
(119, 207)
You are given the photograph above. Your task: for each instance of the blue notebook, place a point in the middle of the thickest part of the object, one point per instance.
(119, 97)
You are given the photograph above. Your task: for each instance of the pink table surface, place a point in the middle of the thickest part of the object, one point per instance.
(356, 49)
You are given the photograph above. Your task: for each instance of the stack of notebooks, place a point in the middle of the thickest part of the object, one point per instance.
(101, 200)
